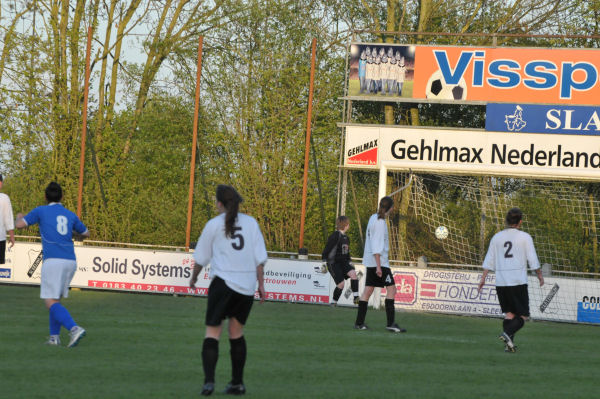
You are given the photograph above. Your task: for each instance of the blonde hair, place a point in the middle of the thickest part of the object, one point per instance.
(341, 222)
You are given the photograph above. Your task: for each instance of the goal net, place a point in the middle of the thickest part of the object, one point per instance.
(561, 216)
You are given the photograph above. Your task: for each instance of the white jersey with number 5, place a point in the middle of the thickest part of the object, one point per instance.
(509, 252)
(235, 258)
(377, 242)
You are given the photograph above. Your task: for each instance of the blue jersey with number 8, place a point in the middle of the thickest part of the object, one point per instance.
(56, 228)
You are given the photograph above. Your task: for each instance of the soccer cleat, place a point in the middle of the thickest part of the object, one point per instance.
(361, 327)
(208, 389)
(396, 328)
(53, 340)
(356, 300)
(235, 389)
(506, 339)
(76, 334)
(507, 349)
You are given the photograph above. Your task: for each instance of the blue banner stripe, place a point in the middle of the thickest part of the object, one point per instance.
(549, 119)
(587, 315)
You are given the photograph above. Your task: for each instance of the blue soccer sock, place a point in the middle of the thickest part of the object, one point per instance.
(54, 325)
(62, 316)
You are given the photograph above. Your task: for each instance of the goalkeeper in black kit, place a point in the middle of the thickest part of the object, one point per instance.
(337, 257)
(509, 253)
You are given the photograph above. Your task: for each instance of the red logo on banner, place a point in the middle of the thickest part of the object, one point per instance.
(368, 157)
(406, 288)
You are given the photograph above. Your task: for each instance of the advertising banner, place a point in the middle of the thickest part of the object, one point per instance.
(550, 119)
(480, 152)
(423, 290)
(6, 270)
(480, 74)
(169, 272)
(455, 292)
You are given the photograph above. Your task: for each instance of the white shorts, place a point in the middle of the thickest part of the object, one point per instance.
(56, 277)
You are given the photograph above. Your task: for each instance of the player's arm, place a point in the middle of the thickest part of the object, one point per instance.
(11, 237)
(9, 223)
(80, 231)
(195, 273)
(377, 244)
(482, 282)
(202, 252)
(80, 236)
(261, 257)
(331, 242)
(489, 263)
(533, 260)
(260, 276)
(540, 276)
(20, 223)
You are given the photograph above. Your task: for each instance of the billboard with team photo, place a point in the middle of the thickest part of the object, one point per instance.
(475, 74)
(381, 70)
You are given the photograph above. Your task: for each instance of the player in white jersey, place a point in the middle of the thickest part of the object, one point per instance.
(509, 253)
(379, 274)
(233, 245)
(7, 223)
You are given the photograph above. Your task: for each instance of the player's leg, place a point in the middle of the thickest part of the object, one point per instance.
(390, 295)
(362, 308)
(372, 280)
(218, 298)
(2, 252)
(56, 277)
(520, 301)
(505, 299)
(353, 284)
(338, 277)
(337, 291)
(239, 316)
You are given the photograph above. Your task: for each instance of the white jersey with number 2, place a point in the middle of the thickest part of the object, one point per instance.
(235, 258)
(508, 255)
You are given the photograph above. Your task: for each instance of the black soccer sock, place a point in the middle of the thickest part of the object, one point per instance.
(238, 359)
(517, 324)
(505, 324)
(336, 293)
(354, 286)
(511, 326)
(362, 312)
(390, 312)
(210, 355)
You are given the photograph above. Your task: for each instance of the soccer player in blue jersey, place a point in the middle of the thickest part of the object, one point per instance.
(57, 225)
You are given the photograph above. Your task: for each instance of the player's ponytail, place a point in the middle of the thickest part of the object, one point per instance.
(231, 201)
(385, 205)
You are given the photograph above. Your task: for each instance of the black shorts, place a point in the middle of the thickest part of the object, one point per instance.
(2, 252)
(373, 280)
(514, 299)
(339, 271)
(223, 302)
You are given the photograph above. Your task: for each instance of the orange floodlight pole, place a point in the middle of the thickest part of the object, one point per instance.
(86, 90)
(302, 250)
(188, 229)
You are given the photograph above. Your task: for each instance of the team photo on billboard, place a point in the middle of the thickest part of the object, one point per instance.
(475, 74)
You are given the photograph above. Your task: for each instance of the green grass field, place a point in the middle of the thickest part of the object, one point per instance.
(148, 346)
